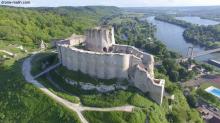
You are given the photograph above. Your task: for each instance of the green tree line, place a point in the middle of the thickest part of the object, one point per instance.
(29, 26)
(205, 36)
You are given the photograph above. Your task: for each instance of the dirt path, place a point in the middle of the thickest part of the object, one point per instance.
(26, 71)
(7, 52)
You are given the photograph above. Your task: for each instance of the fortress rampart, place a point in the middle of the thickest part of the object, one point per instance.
(97, 55)
(101, 65)
(143, 80)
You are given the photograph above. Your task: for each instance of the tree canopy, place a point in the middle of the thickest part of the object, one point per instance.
(29, 26)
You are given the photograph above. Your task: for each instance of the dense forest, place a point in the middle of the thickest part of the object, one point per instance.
(29, 26)
(207, 36)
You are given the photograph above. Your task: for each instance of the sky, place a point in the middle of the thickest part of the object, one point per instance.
(119, 3)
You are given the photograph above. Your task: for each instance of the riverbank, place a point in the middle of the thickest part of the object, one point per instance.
(207, 36)
(172, 36)
(172, 20)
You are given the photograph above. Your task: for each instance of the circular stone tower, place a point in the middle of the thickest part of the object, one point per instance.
(100, 39)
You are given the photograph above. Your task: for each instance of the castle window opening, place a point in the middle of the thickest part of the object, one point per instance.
(105, 49)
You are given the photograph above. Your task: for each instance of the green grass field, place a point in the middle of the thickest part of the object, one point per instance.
(207, 84)
(115, 117)
(21, 102)
(207, 97)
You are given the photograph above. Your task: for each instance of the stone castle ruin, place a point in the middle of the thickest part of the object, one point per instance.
(97, 55)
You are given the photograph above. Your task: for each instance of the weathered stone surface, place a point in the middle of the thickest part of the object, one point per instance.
(143, 80)
(99, 38)
(100, 87)
(101, 65)
(139, 56)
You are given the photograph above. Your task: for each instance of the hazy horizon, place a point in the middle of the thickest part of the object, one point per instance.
(117, 3)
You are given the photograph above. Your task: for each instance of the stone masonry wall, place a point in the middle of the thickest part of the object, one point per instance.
(101, 65)
(143, 80)
(99, 38)
(147, 59)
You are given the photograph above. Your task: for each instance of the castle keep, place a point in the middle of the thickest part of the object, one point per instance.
(97, 55)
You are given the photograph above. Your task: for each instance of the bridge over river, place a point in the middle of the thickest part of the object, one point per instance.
(191, 54)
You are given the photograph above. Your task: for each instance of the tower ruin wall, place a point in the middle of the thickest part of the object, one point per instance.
(99, 38)
(143, 80)
(146, 59)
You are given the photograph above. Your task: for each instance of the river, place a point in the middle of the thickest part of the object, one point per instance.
(198, 20)
(172, 36)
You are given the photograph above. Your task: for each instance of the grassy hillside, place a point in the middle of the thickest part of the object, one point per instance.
(29, 26)
(19, 101)
(115, 117)
(181, 112)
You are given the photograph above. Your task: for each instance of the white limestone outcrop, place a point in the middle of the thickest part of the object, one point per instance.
(99, 87)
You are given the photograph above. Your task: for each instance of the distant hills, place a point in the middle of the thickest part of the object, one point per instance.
(194, 10)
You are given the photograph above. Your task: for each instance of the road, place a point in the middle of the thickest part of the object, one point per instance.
(78, 108)
(205, 52)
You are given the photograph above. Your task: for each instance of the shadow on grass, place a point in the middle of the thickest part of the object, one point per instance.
(43, 60)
